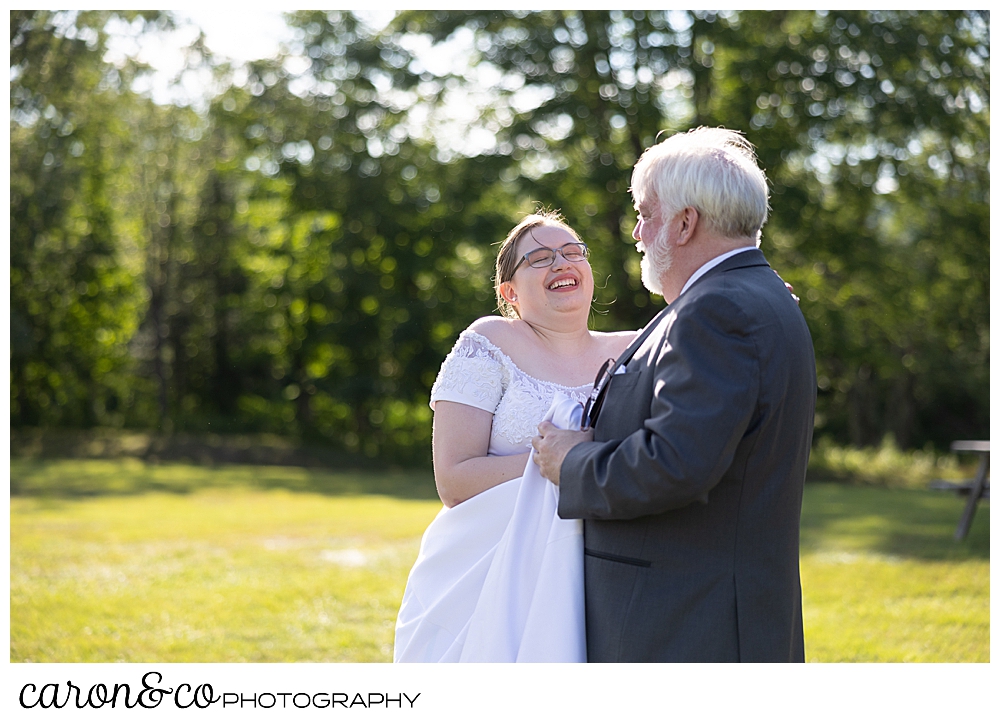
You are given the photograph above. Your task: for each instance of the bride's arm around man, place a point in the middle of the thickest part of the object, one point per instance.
(691, 489)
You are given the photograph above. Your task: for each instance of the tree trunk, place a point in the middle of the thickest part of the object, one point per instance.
(901, 411)
(861, 409)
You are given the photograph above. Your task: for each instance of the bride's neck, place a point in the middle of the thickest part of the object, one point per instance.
(568, 339)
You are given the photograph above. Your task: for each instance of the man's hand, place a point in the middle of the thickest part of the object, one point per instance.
(552, 445)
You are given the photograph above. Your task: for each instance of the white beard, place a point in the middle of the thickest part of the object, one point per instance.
(657, 259)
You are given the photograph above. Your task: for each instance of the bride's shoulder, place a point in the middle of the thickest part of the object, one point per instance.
(615, 342)
(499, 331)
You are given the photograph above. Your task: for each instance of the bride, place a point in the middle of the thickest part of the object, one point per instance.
(497, 578)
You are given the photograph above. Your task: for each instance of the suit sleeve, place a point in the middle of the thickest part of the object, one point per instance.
(705, 389)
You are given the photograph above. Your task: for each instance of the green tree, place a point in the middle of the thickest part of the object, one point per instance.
(358, 257)
(873, 129)
(75, 303)
(299, 255)
(578, 101)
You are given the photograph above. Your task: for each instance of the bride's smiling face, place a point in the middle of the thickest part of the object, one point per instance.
(564, 286)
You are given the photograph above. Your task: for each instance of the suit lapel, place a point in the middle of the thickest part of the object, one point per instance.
(639, 339)
(622, 361)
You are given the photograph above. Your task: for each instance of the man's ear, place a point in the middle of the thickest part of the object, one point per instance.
(688, 219)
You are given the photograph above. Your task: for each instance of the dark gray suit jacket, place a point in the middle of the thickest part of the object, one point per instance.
(692, 490)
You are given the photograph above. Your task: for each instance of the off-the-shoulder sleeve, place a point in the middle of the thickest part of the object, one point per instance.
(471, 374)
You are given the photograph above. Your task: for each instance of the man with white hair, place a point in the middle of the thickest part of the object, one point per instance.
(690, 480)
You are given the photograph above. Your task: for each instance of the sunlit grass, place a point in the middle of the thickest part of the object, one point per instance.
(128, 475)
(877, 609)
(255, 564)
(883, 580)
(225, 574)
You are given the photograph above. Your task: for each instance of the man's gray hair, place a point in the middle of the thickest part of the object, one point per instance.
(713, 170)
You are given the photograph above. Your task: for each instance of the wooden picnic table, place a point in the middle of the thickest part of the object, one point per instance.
(977, 488)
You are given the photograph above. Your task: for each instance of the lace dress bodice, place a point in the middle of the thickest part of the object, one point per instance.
(477, 373)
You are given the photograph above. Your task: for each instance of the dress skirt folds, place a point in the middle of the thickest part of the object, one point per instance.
(499, 577)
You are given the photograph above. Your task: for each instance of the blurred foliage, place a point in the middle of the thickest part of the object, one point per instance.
(884, 466)
(297, 256)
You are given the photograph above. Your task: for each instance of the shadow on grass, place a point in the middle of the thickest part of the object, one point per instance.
(55, 478)
(893, 522)
(208, 449)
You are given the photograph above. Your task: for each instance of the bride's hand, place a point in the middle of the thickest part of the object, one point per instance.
(552, 445)
(791, 289)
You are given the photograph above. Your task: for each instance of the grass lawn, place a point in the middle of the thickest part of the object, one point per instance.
(246, 567)
(883, 580)
(122, 561)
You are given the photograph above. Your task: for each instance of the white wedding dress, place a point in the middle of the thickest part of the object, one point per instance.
(499, 577)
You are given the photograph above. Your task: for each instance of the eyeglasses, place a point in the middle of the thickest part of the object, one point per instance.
(593, 406)
(540, 258)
